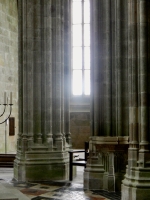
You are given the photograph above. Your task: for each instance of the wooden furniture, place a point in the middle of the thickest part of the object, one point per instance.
(7, 160)
(78, 161)
(11, 126)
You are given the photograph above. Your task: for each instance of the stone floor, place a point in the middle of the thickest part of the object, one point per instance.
(57, 190)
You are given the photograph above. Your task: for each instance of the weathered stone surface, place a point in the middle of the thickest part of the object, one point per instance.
(107, 163)
(80, 128)
(120, 83)
(43, 112)
(8, 68)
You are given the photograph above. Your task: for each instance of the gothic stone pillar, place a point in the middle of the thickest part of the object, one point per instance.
(136, 184)
(42, 149)
(109, 91)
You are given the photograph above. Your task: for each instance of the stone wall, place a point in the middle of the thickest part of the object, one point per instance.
(8, 67)
(79, 128)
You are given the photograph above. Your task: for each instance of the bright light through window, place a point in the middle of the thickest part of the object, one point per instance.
(81, 47)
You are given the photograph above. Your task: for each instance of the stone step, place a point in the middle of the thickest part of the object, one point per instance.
(5, 194)
(8, 192)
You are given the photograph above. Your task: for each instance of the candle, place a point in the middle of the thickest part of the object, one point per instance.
(4, 97)
(10, 97)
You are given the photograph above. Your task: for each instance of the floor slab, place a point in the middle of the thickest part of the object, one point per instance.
(71, 190)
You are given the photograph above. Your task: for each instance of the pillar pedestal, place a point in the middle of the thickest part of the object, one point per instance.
(41, 164)
(106, 164)
(136, 186)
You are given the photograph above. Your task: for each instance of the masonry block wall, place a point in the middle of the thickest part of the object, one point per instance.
(79, 128)
(8, 67)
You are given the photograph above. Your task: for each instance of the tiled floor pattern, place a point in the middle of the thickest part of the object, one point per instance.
(58, 190)
(62, 191)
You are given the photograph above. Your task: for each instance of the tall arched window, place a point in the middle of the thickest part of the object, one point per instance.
(81, 47)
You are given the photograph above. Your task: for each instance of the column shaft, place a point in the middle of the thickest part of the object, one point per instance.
(67, 69)
(133, 84)
(133, 73)
(95, 69)
(107, 64)
(122, 67)
(143, 73)
(114, 71)
(62, 76)
(20, 73)
(57, 65)
(47, 79)
(37, 79)
(30, 70)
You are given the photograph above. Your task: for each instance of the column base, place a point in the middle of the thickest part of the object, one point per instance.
(42, 166)
(137, 185)
(133, 193)
(93, 177)
(106, 163)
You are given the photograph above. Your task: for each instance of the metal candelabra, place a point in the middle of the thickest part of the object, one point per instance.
(5, 105)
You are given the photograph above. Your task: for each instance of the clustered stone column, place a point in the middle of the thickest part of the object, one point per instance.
(44, 76)
(109, 71)
(109, 90)
(136, 184)
(120, 82)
